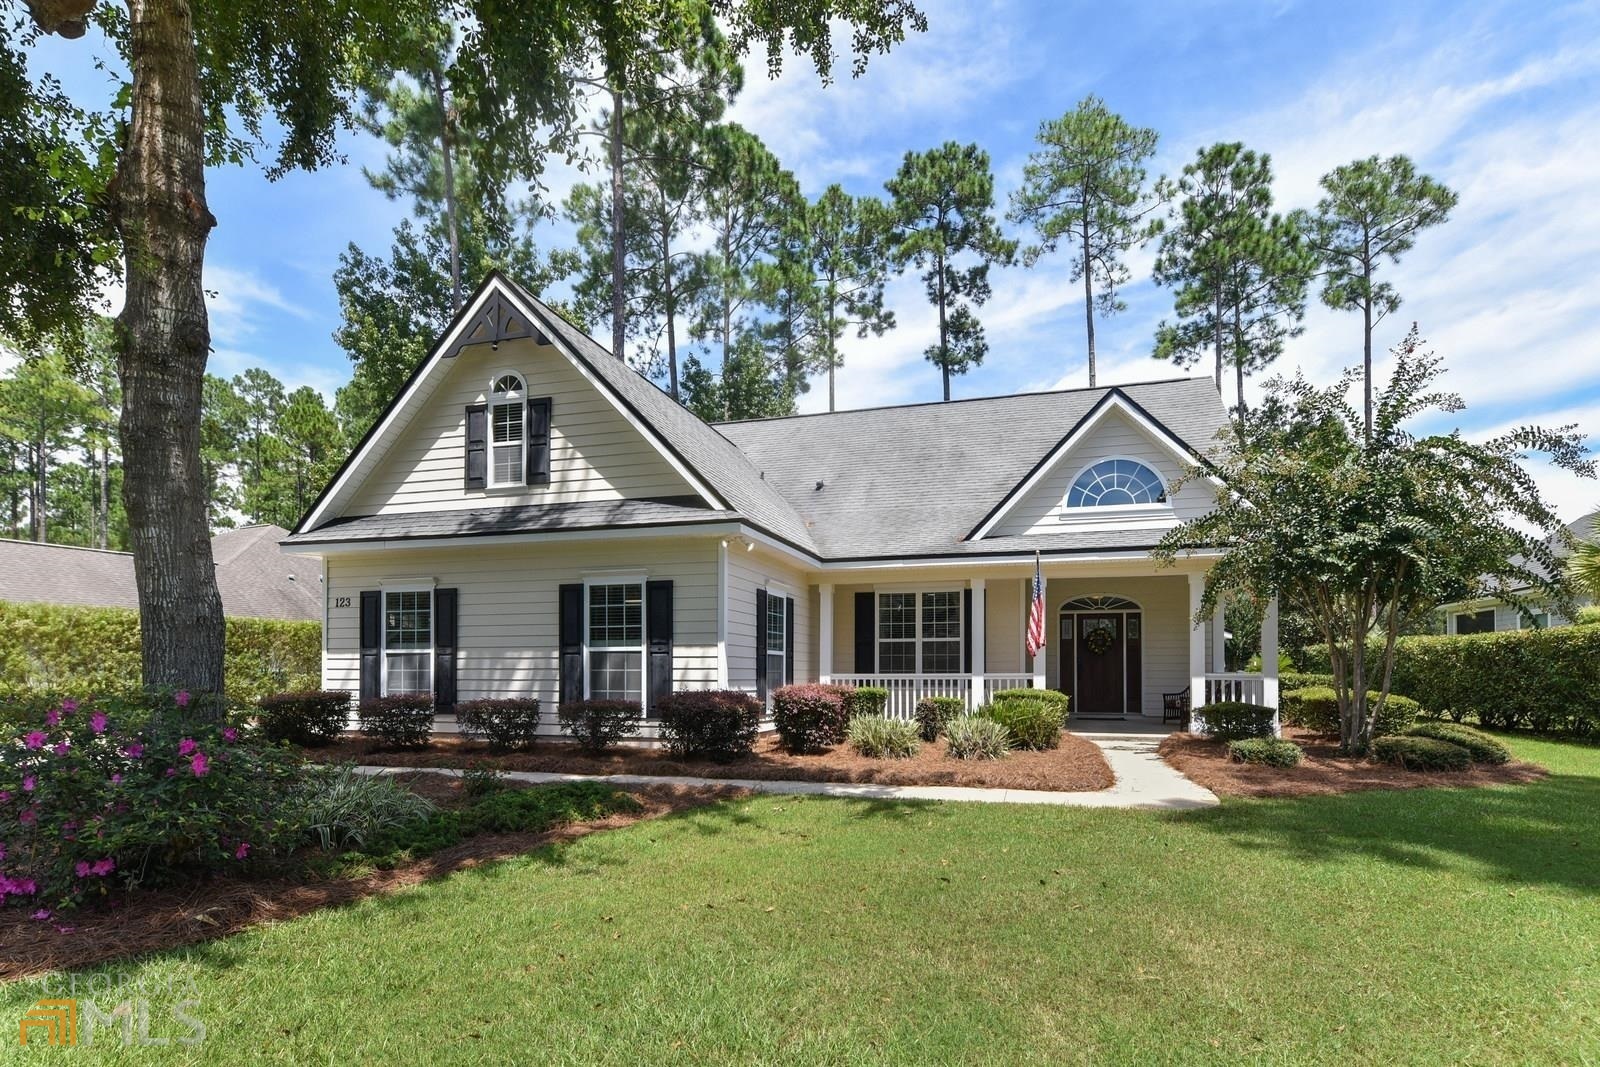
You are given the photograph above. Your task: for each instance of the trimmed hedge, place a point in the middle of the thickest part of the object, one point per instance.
(1545, 680)
(1271, 751)
(880, 737)
(1317, 709)
(1288, 680)
(313, 718)
(810, 718)
(867, 700)
(400, 720)
(506, 724)
(1031, 722)
(1053, 697)
(716, 724)
(934, 713)
(1482, 747)
(598, 724)
(52, 647)
(1231, 720)
(1421, 753)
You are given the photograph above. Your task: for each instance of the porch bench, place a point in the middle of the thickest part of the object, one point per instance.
(1175, 707)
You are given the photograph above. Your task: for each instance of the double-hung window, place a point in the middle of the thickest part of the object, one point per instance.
(508, 432)
(616, 641)
(777, 624)
(407, 641)
(920, 633)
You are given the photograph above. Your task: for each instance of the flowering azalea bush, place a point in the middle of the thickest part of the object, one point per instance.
(104, 794)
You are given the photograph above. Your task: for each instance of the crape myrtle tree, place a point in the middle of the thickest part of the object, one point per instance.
(1367, 532)
(126, 181)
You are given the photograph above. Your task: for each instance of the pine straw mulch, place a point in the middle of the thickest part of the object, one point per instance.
(161, 919)
(1322, 771)
(1076, 766)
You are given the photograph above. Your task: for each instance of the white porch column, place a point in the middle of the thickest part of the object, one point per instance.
(1269, 663)
(1219, 639)
(825, 632)
(979, 611)
(1197, 646)
(1040, 660)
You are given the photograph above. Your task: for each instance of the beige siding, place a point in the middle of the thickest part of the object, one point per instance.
(1115, 436)
(747, 572)
(508, 608)
(596, 453)
(1003, 626)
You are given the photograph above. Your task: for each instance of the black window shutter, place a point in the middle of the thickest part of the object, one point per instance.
(761, 643)
(444, 649)
(966, 630)
(571, 638)
(539, 440)
(658, 638)
(371, 637)
(788, 642)
(866, 633)
(477, 470)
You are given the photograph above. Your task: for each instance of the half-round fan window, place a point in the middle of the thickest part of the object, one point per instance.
(508, 385)
(1116, 481)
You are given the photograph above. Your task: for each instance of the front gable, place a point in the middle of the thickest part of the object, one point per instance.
(1113, 445)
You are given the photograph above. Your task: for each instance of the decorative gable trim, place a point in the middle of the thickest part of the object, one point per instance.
(493, 314)
(1114, 400)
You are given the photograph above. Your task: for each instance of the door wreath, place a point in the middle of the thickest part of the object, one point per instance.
(1099, 640)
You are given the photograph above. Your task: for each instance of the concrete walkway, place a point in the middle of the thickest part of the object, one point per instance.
(1143, 781)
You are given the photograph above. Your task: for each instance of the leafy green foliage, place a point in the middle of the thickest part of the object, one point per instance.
(715, 724)
(1291, 680)
(867, 700)
(481, 780)
(339, 807)
(599, 724)
(1271, 751)
(1052, 696)
(1031, 722)
(1421, 753)
(880, 737)
(1231, 720)
(311, 718)
(54, 647)
(934, 713)
(976, 737)
(1483, 747)
(1584, 567)
(846, 240)
(505, 724)
(1316, 708)
(810, 718)
(399, 720)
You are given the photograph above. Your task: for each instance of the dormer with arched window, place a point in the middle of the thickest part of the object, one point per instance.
(1116, 482)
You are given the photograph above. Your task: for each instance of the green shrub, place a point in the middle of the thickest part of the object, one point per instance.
(342, 808)
(880, 737)
(1588, 615)
(934, 712)
(1317, 709)
(399, 720)
(1272, 751)
(1288, 680)
(1231, 720)
(867, 700)
(80, 650)
(715, 724)
(480, 780)
(599, 724)
(1421, 753)
(1052, 696)
(1031, 722)
(809, 718)
(311, 718)
(1482, 747)
(506, 724)
(976, 737)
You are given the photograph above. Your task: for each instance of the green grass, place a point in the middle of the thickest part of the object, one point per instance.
(1438, 926)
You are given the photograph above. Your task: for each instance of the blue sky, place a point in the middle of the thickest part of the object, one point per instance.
(1500, 101)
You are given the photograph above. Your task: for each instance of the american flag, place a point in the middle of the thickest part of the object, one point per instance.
(1036, 611)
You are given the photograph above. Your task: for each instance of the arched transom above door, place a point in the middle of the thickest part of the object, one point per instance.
(1100, 603)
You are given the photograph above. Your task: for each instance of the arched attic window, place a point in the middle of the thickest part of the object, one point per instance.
(1113, 482)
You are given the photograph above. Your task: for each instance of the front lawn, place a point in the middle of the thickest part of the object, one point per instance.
(1383, 927)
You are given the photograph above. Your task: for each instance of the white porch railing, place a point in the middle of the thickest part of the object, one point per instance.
(905, 690)
(1237, 687)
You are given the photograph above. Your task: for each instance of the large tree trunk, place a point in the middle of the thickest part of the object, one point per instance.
(1366, 336)
(41, 513)
(163, 220)
(447, 161)
(619, 246)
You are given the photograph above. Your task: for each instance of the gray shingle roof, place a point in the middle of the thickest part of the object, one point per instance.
(916, 480)
(529, 518)
(256, 579)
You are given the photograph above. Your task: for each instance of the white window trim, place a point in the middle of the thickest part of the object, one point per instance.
(1067, 513)
(782, 594)
(643, 648)
(517, 399)
(385, 588)
(918, 640)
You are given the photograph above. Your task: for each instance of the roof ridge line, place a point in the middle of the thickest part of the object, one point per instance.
(53, 544)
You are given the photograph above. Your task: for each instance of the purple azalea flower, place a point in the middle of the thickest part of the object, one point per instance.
(134, 751)
(116, 779)
(97, 722)
(42, 914)
(28, 783)
(242, 851)
(171, 771)
(82, 869)
(187, 745)
(182, 698)
(69, 706)
(53, 719)
(200, 765)
(28, 817)
(35, 739)
(229, 734)
(5, 795)
(61, 749)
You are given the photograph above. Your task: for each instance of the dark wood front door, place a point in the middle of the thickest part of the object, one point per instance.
(1101, 665)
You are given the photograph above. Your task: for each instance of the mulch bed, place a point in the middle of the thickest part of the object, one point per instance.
(156, 920)
(1322, 771)
(1077, 766)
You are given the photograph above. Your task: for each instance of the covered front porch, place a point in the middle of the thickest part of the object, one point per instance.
(1118, 639)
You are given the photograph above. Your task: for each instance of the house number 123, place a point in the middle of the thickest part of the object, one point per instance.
(341, 601)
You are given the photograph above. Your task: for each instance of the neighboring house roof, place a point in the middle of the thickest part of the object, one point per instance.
(255, 578)
(1584, 528)
(917, 479)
